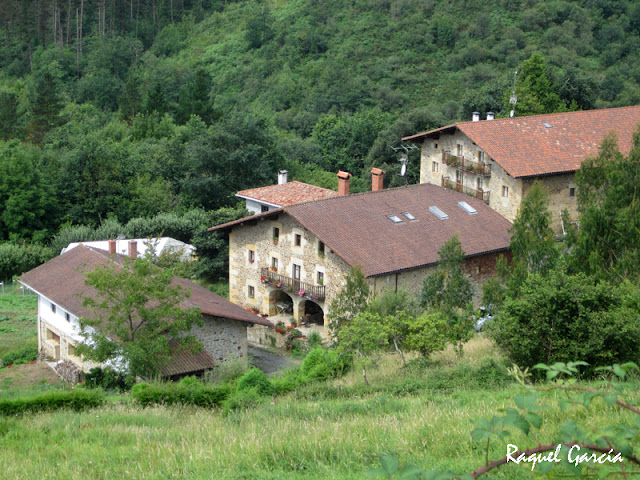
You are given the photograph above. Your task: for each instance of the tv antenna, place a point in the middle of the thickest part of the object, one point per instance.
(404, 158)
(514, 99)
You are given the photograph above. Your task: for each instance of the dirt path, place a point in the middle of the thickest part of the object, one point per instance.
(268, 361)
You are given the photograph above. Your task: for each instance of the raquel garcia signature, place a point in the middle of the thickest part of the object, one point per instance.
(573, 456)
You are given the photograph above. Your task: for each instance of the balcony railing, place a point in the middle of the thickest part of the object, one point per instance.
(468, 165)
(291, 285)
(459, 187)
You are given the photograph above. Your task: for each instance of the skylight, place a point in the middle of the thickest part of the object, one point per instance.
(548, 125)
(409, 216)
(394, 218)
(468, 208)
(438, 213)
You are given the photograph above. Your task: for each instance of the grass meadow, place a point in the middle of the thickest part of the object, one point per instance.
(18, 322)
(304, 435)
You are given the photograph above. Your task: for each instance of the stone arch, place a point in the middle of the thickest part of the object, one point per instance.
(280, 303)
(312, 313)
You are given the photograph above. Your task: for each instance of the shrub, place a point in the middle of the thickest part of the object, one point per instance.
(18, 357)
(562, 317)
(255, 378)
(321, 364)
(291, 379)
(244, 399)
(108, 379)
(314, 339)
(77, 400)
(189, 391)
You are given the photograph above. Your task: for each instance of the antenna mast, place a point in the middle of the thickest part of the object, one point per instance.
(514, 99)
(404, 158)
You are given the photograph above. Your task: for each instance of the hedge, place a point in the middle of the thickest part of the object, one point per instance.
(77, 400)
(187, 392)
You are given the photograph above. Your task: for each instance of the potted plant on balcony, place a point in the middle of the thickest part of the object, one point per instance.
(273, 269)
(302, 292)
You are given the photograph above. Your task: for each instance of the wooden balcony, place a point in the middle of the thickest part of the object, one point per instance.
(472, 192)
(467, 165)
(291, 285)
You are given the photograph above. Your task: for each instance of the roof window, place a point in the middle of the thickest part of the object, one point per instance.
(468, 208)
(394, 218)
(409, 216)
(438, 213)
(548, 125)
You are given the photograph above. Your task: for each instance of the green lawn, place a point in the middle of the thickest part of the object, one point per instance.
(18, 322)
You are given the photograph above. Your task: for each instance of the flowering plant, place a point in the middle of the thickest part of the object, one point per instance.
(302, 292)
(263, 278)
(279, 284)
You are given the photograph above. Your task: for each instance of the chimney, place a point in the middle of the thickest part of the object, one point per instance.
(282, 177)
(490, 115)
(133, 249)
(343, 182)
(475, 116)
(112, 247)
(377, 179)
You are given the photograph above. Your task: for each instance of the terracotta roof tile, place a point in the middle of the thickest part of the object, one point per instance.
(183, 361)
(357, 227)
(525, 146)
(288, 193)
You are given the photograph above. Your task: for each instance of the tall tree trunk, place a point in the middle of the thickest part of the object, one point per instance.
(68, 21)
(395, 344)
(364, 374)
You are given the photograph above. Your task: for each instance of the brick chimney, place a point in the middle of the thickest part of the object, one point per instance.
(343, 182)
(133, 249)
(377, 179)
(112, 247)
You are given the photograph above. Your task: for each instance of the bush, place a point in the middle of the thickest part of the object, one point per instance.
(291, 379)
(108, 379)
(18, 357)
(322, 364)
(314, 339)
(77, 400)
(562, 317)
(189, 391)
(255, 378)
(244, 399)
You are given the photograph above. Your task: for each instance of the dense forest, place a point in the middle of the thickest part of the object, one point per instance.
(144, 117)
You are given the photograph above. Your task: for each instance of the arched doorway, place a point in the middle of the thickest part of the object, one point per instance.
(312, 313)
(280, 303)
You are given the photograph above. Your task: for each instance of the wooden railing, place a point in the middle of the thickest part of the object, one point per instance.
(459, 187)
(468, 165)
(291, 285)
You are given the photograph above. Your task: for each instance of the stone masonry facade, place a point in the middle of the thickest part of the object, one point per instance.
(223, 339)
(282, 254)
(505, 193)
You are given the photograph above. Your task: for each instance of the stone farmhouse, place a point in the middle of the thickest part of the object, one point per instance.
(295, 259)
(59, 284)
(497, 160)
(264, 199)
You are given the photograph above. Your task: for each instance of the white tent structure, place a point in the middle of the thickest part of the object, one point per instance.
(159, 246)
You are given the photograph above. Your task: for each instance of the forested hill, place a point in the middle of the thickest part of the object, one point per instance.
(119, 109)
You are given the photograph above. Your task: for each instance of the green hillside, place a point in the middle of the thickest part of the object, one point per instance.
(124, 110)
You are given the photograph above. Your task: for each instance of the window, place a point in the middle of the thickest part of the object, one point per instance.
(394, 218)
(264, 208)
(434, 167)
(458, 176)
(572, 192)
(251, 291)
(252, 256)
(67, 316)
(409, 216)
(53, 308)
(479, 183)
(274, 264)
(459, 150)
(276, 236)
(505, 191)
(438, 213)
(435, 146)
(298, 240)
(296, 272)
(481, 157)
(321, 249)
(71, 350)
(320, 278)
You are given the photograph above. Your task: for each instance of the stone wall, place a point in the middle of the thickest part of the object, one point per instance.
(259, 238)
(222, 338)
(507, 205)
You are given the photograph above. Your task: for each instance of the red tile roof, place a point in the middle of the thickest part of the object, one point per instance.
(525, 146)
(357, 229)
(288, 193)
(62, 280)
